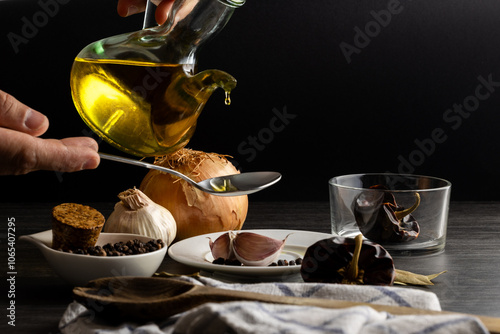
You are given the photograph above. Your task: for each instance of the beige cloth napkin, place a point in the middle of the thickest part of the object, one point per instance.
(255, 317)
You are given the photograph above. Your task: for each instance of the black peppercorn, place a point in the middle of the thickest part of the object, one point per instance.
(130, 247)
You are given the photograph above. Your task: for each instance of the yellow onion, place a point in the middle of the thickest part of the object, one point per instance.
(195, 211)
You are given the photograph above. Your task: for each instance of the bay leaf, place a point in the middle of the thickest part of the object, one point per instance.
(404, 277)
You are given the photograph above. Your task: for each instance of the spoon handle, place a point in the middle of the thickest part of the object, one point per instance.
(147, 165)
(202, 294)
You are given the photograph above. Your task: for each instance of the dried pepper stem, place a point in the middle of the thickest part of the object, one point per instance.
(352, 273)
(401, 214)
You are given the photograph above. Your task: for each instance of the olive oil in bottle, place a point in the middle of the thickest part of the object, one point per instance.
(136, 106)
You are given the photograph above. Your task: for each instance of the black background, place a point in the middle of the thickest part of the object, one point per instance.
(365, 115)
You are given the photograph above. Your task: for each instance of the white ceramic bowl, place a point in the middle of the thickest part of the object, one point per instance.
(78, 269)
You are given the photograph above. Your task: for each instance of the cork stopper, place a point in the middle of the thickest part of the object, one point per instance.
(75, 226)
(77, 215)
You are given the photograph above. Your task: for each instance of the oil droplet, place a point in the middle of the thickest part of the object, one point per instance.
(227, 101)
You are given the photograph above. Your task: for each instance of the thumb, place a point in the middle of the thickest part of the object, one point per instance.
(19, 117)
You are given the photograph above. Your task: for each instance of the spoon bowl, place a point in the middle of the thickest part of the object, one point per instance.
(227, 185)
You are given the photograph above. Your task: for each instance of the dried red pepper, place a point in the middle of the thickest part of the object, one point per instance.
(348, 261)
(381, 219)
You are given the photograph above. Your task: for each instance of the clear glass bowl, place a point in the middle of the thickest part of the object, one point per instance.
(407, 214)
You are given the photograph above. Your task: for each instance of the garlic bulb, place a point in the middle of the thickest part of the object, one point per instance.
(251, 249)
(137, 213)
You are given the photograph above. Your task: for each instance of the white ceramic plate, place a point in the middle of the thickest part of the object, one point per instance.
(195, 252)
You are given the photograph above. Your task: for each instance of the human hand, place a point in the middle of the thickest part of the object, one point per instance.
(129, 7)
(22, 151)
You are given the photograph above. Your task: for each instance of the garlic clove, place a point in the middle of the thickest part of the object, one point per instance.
(221, 247)
(253, 249)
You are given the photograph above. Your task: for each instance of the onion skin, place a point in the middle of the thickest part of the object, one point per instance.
(195, 211)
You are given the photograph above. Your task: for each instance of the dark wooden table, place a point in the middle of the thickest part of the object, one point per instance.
(471, 258)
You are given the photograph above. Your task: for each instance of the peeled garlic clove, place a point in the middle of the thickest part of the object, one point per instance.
(222, 248)
(253, 249)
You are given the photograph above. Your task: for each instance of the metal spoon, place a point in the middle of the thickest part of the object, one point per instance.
(227, 185)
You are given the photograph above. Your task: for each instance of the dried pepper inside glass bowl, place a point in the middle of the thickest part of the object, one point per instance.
(381, 219)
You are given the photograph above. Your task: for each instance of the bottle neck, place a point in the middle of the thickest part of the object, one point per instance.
(195, 21)
(149, 15)
(190, 23)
